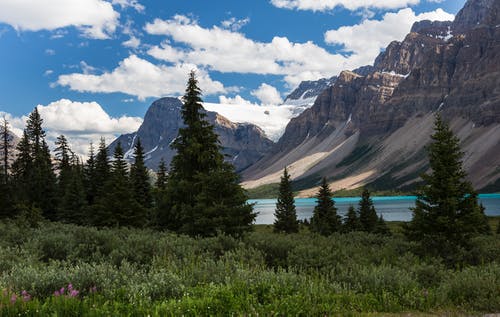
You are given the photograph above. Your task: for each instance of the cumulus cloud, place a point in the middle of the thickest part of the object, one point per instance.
(138, 77)
(224, 50)
(129, 3)
(365, 40)
(326, 5)
(233, 24)
(133, 42)
(267, 94)
(237, 100)
(95, 18)
(80, 122)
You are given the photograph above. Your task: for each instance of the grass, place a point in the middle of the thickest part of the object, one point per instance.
(135, 272)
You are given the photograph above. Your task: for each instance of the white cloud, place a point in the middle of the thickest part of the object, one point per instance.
(326, 5)
(129, 3)
(228, 51)
(48, 72)
(233, 24)
(133, 42)
(95, 18)
(237, 100)
(267, 94)
(50, 52)
(365, 40)
(138, 77)
(80, 122)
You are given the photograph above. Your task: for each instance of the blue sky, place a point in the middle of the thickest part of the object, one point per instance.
(96, 65)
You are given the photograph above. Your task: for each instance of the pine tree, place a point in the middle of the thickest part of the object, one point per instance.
(325, 220)
(191, 203)
(35, 180)
(139, 178)
(89, 173)
(73, 201)
(116, 205)
(367, 214)
(285, 214)
(6, 202)
(62, 155)
(351, 221)
(161, 176)
(102, 169)
(447, 214)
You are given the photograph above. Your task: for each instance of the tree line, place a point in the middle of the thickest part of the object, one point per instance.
(325, 219)
(199, 196)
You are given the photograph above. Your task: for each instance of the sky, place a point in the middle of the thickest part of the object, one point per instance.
(93, 67)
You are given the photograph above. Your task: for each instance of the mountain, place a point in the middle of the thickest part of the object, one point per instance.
(243, 143)
(372, 126)
(307, 91)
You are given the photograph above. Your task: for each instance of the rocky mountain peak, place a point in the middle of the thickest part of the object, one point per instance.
(477, 13)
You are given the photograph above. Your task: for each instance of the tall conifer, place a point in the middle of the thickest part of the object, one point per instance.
(325, 220)
(367, 214)
(285, 214)
(447, 214)
(139, 178)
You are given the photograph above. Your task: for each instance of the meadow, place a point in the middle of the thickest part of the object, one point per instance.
(67, 270)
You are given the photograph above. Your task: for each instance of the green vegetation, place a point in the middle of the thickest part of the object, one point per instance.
(285, 215)
(140, 272)
(268, 191)
(447, 214)
(325, 220)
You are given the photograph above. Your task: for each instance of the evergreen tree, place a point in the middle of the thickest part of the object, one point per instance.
(73, 202)
(367, 214)
(62, 155)
(35, 180)
(285, 214)
(447, 214)
(116, 205)
(102, 169)
(89, 173)
(6, 202)
(191, 204)
(325, 220)
(139, 178)
(382, 227)
(351, 221)
(161, 176)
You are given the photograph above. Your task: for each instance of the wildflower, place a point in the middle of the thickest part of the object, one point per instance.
(93, 289)
(13, 298)
(26, 296)
(57, 294)
(70, 287)
(61, 291)
(74, 293)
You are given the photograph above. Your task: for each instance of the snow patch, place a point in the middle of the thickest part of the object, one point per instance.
(440, 106)
(130, 152)
(393, 73)
(271, 119)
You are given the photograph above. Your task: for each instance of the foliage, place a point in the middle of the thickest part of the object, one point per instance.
(285, 214)
(447, 214)
(202, 196)
(351, 221)
(325, 220)
(139, 272)
(367, 215)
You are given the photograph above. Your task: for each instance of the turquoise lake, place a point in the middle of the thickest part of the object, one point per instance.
(393, 208)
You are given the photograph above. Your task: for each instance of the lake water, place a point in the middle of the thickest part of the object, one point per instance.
(393, 208)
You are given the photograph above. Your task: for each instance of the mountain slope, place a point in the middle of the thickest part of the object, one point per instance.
(244, 144)
(373, 128)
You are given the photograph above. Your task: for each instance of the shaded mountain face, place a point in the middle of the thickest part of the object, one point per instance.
(371, 127)
(244, 144)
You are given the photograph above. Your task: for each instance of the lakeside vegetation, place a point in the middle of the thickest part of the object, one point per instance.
(138, 272)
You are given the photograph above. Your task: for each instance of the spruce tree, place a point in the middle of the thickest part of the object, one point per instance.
(35, 179)
(325, 220)
(139, 178)
(116, 205)
(102, 168)
(73, 202)
(191, 203)
(351, 221)
(6, 202)
(161, 176)
(89, 173)
(367, 214)
(447, 214)
(285, 214)
(63, 156)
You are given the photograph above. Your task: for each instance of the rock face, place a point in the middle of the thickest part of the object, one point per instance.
(371, 127)
(243, 143)
(307, 91)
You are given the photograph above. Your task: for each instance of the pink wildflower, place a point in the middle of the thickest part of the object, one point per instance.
(70, 287)
(93, 289)
(13, 298)
(26, 296)
(57, 294)
(74, 293)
